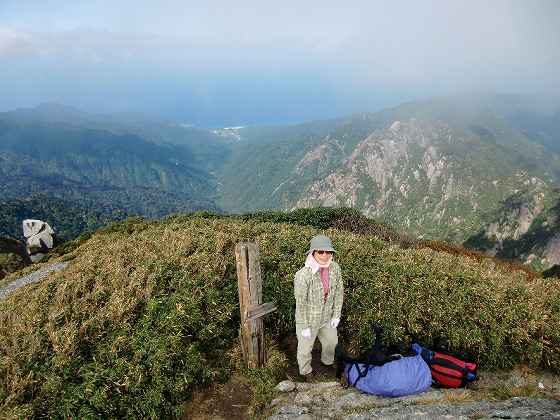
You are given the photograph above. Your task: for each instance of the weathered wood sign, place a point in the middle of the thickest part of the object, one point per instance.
(251, 332)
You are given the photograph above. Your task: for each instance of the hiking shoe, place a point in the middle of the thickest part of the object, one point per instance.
(305, 378)
(327, 371)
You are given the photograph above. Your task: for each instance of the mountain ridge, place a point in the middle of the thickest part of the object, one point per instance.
(480, 152)
(293, 173)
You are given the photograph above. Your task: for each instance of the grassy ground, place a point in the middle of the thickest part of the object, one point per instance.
(145, 312)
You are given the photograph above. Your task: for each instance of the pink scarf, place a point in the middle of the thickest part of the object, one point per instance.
(312, 263)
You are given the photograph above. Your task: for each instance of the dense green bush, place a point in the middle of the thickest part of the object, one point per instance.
(111, 349)
(68, 217)
(341, 218)
(146, 312)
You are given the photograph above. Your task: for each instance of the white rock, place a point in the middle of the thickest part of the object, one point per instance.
(303, 398)
(286, 386)
(39, 235)
(33, 227)
(41, 240)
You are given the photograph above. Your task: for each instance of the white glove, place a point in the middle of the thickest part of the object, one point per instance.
(306, 333)
(334, 322)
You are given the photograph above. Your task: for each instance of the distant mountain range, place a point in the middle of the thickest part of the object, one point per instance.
(444, 168)
(112, 168)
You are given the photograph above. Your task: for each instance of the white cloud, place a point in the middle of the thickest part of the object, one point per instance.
(352, 49)
(13, 42)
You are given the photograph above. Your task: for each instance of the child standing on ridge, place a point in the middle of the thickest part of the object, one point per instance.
(319, 293)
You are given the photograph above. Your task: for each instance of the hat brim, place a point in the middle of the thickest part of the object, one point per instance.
(321, 249)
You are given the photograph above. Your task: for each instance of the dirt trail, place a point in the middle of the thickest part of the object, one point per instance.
(30, 278)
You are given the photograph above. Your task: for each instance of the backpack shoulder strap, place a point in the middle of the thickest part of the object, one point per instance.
(362, 373)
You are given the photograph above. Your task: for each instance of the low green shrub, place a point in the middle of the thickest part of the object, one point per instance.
(111, 349)
(264, 380)
(146, 312)
(341, 218)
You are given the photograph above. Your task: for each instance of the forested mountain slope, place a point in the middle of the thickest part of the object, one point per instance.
(432, 167)
(97, 171)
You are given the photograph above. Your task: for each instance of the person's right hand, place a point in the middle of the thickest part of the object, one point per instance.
(306, 333)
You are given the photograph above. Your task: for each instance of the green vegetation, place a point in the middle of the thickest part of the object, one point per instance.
(68, 218)
(71, 171)
(147, 311)
(96, 158)
(266, 161)
(321, 218)
(13, 256)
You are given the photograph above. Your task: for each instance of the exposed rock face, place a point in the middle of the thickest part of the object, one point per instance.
(39, 237)
(516, 219)
(432, 168)
(551, 253)
(419, 176)
(321, 157)
(525, 227)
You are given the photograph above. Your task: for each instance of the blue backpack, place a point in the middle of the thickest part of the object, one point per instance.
(384, 375)
(404, 376)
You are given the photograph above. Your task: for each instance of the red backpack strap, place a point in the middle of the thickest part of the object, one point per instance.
(455, 361)
(450, 371)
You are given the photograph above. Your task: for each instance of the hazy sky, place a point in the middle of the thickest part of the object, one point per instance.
(232, 62)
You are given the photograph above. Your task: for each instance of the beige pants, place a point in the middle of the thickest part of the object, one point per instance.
(328, 339)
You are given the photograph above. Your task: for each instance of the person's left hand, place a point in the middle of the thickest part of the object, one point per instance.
(334, 322)
(306, 333)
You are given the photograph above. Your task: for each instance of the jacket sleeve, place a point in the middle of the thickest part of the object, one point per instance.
(301, 288)
(339, 295)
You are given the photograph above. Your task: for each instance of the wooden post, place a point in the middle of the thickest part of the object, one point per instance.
(251, 332)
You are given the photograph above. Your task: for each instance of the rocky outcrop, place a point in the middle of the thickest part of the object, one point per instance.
(420, 176)
(525, 227)
(551, 252)
(320, 158)
(520, 216)
(39, 238)
(516, 217)
(329, 400)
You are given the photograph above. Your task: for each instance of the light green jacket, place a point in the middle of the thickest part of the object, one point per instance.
(311, 309)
